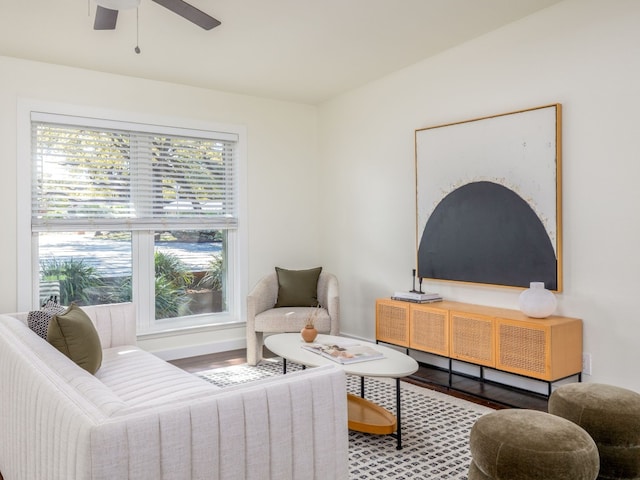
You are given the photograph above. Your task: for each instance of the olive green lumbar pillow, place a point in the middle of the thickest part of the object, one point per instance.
(73, 333)
(298, 288)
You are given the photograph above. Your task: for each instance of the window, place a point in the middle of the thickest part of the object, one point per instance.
(124, 211)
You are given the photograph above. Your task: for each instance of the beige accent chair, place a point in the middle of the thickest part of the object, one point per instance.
(263, 317)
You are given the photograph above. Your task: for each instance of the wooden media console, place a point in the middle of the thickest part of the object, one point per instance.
(548, 349)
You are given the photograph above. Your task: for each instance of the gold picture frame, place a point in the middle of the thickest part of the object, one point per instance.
(489, 199)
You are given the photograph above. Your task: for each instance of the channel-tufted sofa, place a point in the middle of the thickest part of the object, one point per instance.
(140, 417)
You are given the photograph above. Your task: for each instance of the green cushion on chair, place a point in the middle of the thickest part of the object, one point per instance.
(298, 288)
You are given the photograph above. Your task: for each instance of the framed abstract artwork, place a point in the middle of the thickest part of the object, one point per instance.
(489, 199)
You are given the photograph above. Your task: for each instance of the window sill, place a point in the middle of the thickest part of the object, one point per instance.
(187, 330)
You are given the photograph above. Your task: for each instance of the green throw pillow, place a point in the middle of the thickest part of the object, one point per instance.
(73, 333)
(298, 288)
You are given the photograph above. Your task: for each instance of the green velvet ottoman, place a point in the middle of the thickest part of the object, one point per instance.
(611, 415)
(518, 444)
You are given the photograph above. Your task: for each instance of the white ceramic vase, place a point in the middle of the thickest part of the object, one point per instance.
(537, 301)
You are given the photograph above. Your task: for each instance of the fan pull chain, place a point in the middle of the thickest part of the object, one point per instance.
(137, 49)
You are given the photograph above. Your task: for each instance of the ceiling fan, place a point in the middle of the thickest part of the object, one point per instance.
(107, 13)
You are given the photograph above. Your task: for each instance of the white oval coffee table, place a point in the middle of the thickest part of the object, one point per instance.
(364, 416)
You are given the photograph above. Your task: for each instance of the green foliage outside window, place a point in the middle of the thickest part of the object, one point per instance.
(80, 283)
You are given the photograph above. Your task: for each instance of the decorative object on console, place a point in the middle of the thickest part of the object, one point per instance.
(488, 197)
(537, 301)
(415, 297)
(413, 290)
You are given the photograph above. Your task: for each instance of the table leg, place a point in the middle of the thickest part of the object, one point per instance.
(284, 369)
(398, 433)
(399, 428)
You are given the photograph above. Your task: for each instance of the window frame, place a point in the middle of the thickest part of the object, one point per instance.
(27, 241)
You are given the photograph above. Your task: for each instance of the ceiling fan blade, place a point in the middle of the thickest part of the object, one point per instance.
(190, 12)
(105, 19)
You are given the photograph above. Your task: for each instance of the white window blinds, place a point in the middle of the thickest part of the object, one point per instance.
(105, 175)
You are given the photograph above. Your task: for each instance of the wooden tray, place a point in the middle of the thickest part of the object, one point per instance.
(367, 417)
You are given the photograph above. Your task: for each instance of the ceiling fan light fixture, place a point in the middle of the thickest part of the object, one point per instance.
(107, 13)
(118, 4)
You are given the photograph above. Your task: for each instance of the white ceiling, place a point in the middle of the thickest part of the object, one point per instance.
(300, 50)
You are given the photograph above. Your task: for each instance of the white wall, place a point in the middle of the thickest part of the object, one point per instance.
(580, 53)
(282, 164)
(353, 212)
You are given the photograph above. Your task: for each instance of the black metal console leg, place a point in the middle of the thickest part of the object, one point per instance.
(362, 387)
(284, 365)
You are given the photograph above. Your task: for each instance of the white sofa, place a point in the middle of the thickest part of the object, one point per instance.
(140, 417)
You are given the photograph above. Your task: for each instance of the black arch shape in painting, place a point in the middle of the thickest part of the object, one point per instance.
(483, 232)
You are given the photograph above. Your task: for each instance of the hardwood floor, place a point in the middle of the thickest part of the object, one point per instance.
(208, 362)
(482, 393)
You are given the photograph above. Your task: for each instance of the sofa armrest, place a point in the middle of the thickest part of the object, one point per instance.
(288, 427)
(48, 407)
(262, 297)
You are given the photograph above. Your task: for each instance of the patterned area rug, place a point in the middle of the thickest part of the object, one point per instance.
(435, 427)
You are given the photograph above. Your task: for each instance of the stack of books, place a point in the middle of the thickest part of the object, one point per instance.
(417, 297)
